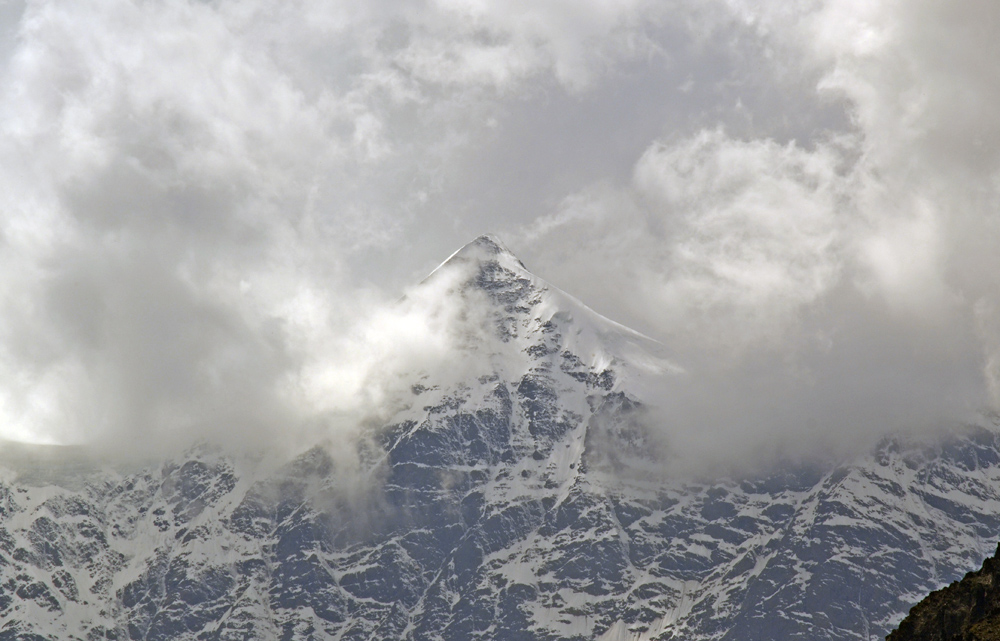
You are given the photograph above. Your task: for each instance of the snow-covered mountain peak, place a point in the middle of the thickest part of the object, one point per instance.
(486, 248)
(537, 324)
(480, 263)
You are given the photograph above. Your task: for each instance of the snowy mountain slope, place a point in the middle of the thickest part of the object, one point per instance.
(511, 504)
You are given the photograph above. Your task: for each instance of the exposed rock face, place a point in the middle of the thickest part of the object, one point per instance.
(966, 610)
(517, 504)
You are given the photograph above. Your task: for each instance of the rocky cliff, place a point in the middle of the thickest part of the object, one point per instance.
(966, 610)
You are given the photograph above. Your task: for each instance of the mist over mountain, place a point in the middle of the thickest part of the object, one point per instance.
(517, 493)
(209, 210)
(754, 396)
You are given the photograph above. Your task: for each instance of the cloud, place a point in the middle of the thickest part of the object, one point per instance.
(725, 239)
(209, 208)
(198, 196)
(826, 293)
(438, 334)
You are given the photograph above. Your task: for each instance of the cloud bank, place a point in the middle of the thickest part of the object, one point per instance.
(208, 207)
(823, 290)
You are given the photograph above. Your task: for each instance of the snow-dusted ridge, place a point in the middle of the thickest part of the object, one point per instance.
(506, 505)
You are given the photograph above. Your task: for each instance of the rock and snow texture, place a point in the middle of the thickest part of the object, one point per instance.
(504, 507)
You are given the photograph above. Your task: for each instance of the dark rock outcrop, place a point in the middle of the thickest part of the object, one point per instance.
(966, 610)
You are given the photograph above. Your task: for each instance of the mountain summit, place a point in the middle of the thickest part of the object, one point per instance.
(485, 248)
(533, 317)
(521, 493)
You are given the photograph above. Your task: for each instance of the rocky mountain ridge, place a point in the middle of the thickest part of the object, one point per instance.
(525, 501)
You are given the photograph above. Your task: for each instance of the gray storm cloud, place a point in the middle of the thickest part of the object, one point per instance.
(208, 209)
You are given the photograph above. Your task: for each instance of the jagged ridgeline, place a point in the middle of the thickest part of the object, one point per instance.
(966, 610)
(527, 501)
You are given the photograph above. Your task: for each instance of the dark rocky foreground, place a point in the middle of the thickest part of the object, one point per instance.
(966, 610)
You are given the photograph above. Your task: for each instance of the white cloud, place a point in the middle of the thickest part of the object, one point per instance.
(849, 282)
(191, 190)
(723, 241)
(201, 201)
(755, 229)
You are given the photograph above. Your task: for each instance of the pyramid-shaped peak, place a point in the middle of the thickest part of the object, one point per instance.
(490, 243)
(487, 248)
(485, 245)
(523, 309)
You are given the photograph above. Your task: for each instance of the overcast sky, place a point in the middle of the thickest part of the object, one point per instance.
(201, 199)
